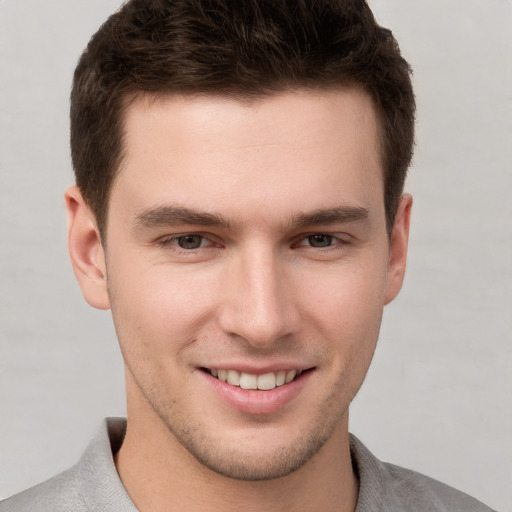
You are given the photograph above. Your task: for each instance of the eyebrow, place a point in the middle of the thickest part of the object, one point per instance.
(178, 215)
(169, 215)
(326, 216)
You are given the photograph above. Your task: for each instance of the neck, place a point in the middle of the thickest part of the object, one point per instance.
(160, 474)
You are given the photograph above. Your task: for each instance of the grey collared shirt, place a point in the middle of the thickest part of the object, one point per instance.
(93, 485)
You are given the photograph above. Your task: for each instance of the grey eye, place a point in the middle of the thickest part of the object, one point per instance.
(190, 241)
(320, 240)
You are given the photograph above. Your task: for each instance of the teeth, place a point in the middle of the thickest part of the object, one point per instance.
(265, 382)
(248, 381)
(233, 378)
(290, 376)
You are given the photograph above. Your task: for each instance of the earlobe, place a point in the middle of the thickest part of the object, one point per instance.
(86, 250)
(398, 248)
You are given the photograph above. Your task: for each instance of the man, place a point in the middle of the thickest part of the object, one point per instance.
(239, 207)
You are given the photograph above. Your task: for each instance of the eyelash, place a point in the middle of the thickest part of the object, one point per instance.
(172, 242)
(335, 241)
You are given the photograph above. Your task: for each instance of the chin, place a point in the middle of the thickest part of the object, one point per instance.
(252, 464)
(258, 454)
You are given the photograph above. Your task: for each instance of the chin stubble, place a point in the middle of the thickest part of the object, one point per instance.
(239, 462)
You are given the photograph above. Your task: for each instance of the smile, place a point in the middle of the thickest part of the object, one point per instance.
(265, 382)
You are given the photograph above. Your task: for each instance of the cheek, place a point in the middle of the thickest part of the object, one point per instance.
(348, 299)
(157, 311)
(346, 311)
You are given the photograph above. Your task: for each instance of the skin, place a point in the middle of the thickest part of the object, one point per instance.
(260, 291)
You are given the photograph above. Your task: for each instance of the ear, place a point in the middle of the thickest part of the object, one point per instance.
(398, 248)
(86, 251)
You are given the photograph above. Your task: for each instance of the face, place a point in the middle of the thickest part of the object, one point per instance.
(248, 265)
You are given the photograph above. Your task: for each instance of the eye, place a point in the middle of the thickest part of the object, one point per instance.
(187, 242)
(190, 241)
(320, 240)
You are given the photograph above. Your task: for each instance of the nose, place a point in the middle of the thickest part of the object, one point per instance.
(259, 304)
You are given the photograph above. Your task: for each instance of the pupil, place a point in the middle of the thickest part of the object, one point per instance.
(320, 240)
(190, 241)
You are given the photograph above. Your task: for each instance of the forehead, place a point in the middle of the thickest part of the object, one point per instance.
(298, 113)
(302, 146)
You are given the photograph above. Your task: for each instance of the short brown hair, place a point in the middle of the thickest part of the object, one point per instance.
(240, 48)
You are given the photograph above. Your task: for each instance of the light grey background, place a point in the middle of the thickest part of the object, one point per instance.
(438, 396)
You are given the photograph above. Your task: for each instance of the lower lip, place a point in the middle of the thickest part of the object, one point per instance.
(254, 401)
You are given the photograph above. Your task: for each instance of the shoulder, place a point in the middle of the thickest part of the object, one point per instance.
(91, 484)
(422, 493)
(386, 487)
(58, 494)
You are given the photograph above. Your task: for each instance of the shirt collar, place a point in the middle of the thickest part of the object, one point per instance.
(102, 489)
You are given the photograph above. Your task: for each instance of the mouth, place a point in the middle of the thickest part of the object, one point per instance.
(263, 382)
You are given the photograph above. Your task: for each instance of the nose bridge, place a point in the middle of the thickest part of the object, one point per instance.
(259, 306)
